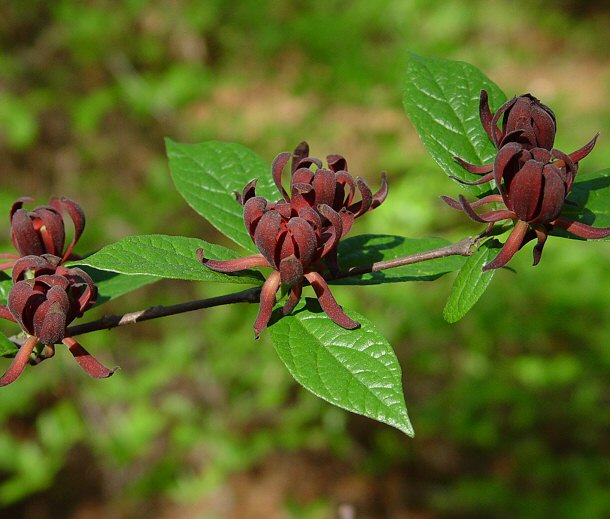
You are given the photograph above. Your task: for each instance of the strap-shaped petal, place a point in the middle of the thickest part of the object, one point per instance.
(581, 229)
(553, 195)
(361, 207)
(324, 185)
(332, 233)
(485, 115)
(300, 152)
(254, 209)
(279, 163)
(581, 153)
(23, 235)
(291, 270)
(52, 231)
(267, 234)
(268, 291)
(18, 204)
(380, 196)
(293, 299)
(305, 238)
(525, 192)
(19, 362)
(328, 302)
(512, 245)
(496, 132)
(336, 162)
(77, 216)
(235, 265)
(509, 153)
(87, 361)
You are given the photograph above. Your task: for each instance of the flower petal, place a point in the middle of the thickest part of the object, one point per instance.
(279, 163)
(304, 237)
(254, 209)
(485, 115)
(512, 245)
(300, 152)
(581, 229)
(25, 238)
(19, 362)
(328, 302)
(581, 153)
(293, 299)
(526, 191)
(268, 291)
(77, 216)
(87, 361)
(235, 265)
(266, 235)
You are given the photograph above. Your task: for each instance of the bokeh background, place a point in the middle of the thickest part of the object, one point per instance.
(510, 405)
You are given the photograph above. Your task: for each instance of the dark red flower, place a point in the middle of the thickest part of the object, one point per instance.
(533, 185)
(42, 230)
(44, 299)
(296, 233)
(291, 238)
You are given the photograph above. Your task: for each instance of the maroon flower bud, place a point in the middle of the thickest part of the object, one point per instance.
(44, 299)
(42, 230)
(525, 120)
(533, 185)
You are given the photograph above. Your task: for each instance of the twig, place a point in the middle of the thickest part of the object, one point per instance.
(461, 248)
(251, 295)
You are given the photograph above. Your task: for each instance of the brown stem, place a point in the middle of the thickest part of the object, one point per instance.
(461, 248)
(252, 295)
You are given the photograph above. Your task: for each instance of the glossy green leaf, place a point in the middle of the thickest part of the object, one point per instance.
(591, 196)
(370, 248)
(353, 369)
(441, 98)
(209, 174)
(470, 283)
(173, 257)
(7, 348)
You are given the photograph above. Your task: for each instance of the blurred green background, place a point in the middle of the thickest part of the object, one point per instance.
(510, 405)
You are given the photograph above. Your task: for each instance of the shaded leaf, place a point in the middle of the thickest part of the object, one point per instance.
(591, 194)
(7, 348)
(5, 286)
(208, 174)
(441, 98)
(356, 370)
(370, 248)
(470, 283)
(173, 257)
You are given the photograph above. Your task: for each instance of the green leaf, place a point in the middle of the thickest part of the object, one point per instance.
(369, 248)
(591, 194)
(470, 283)
(441, 98)
(353, 369)
(173, 257)
(208, 174)
(7, 348)
(111, 285)
(5, 286)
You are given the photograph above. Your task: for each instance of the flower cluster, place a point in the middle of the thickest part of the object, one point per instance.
(301, 230)
(532, 177)
(42, 230)
(46, 296)
(44, 299)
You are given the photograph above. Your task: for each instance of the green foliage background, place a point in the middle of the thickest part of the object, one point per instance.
(510, 404)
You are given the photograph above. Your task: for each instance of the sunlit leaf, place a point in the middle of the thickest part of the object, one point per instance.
(173, 257)
(209, 174)
(353, 369)
(470, 283)
(441, 98)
